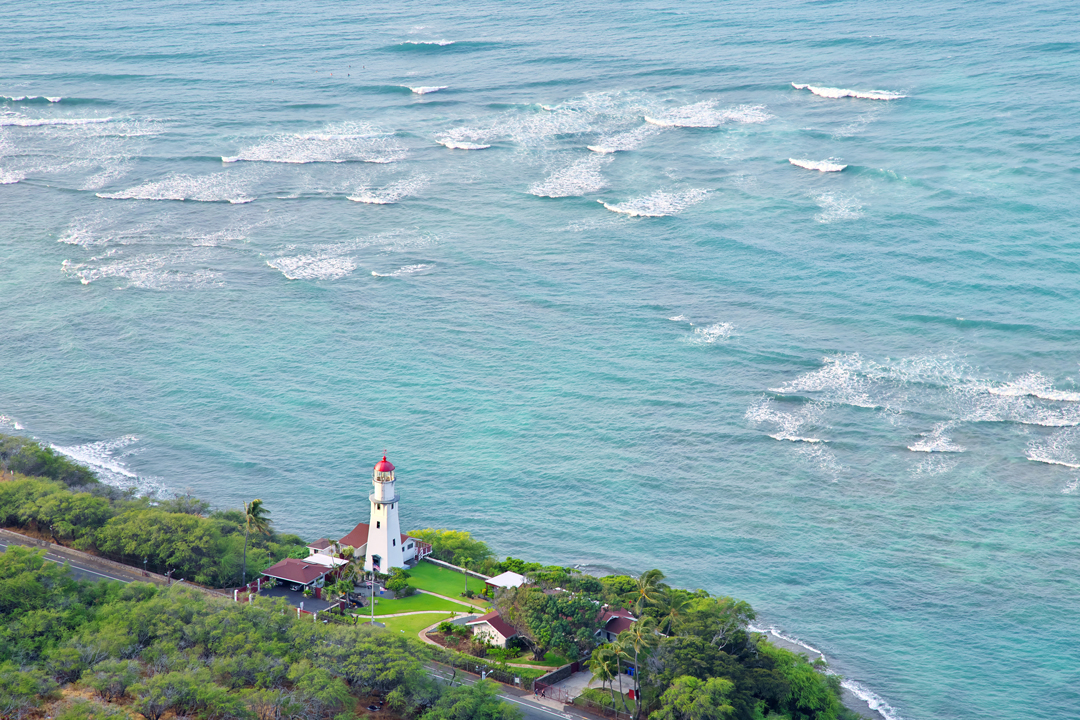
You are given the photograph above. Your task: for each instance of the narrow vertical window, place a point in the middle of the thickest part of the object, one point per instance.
(378, 524)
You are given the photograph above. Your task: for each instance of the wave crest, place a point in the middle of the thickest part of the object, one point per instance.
(819, 165)
(837, 93)
(658, 204)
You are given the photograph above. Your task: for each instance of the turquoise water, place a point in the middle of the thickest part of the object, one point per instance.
(850, 397)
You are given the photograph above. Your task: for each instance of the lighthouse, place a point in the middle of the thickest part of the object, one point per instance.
(384, 538)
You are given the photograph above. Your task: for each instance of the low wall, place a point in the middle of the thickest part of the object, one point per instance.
(455, 567)
(554, 676)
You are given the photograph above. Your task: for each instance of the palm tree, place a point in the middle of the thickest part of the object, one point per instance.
(255, 518)
(647, 591)
(674, 604)
(602, 665)
(641, 637)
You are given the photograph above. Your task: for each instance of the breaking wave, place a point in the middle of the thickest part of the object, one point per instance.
(936, 441)
(319, 266)
(174, 270)
(705, 115)
(621, 142)
(41, 122)
(786, 425)
(102, 457)
(1035, 385)
(390, 194)
(425, 89)
(1056, 449)
(836, 93)
(658, 204)
(406, 270)
(338, 143)
(29, 98)
(579, 178)
(819, 165)
(427, 43)
(217, 187)
(710, 334)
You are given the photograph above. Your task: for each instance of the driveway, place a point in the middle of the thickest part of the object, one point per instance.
(295, 598)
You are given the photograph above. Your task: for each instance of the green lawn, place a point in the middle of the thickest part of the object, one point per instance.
(419, 601)
(413, 624)
(437, 579)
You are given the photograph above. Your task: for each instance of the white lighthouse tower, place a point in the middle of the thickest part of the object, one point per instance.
(384, 539)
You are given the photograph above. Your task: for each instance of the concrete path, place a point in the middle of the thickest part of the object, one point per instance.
(453, 600)
(576, 683)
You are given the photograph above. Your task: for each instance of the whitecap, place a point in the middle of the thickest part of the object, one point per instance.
(787, 423)
(405, 270)
(579, 178)
(336, 143)
(440, 43)
(390, 194)
(836, 93)
(319, 266)
(217, 187)
(705, 115)
(425, 89)
(658, 204)
(44, 122)
(679, 318)
(819, 165)
(154, 271)
(936, 441)
(10, 177)
(836, 208)
(838, 380)
(1055, 450)
(621, 142)
(461, 144)
(1034, 385)
(710, 334)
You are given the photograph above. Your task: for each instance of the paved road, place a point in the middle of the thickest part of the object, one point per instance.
(79, 570)
(532, 709)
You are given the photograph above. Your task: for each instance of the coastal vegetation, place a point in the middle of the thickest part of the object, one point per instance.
(689, 656)
(48, 495)
(153, 650)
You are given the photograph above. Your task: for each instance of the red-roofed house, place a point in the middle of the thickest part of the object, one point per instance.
(299, 572)
(612, 622)
(492, 628)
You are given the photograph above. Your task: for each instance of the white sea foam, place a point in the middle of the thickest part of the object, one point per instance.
(1035, 385)
(710, 334)
(872, 699)
(171, 270)
(10, 177)
(104, 459)
(45, 122)
(392, 193)
(406, 270)
(858, 690)
(216, 187)
(440, 43)
(462, 144)
(836, 208)
(319, 266)
(581, 177)
(621, 142)
(936, 441)
(837, 381)
(425, 89)
(658, 204)
(1071, 487)
(1056, 449)
(25, 98)
(705, 114)
(787, 423)
(336, 143)
(679, 318)
(10, 423)
(819, 165)
(836, 93)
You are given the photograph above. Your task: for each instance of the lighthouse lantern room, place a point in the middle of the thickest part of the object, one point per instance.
(384, 541)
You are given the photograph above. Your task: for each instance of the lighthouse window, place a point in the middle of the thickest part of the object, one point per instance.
(378, 524)
(378, 507)
(395, 543)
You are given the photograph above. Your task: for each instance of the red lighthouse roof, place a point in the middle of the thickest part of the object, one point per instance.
(384, 465)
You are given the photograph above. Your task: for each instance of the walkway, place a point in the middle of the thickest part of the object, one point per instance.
(454, 600)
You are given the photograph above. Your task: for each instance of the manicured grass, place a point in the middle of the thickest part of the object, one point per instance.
(419, 601)
(413, 624)
(444, 581)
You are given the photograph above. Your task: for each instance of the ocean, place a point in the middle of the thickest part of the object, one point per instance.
(781, 298)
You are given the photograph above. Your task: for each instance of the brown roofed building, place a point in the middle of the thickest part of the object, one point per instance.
(298, 572)
(612, 622)
(492, 628)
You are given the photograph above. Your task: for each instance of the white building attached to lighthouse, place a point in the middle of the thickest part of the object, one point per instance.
(380, 541)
